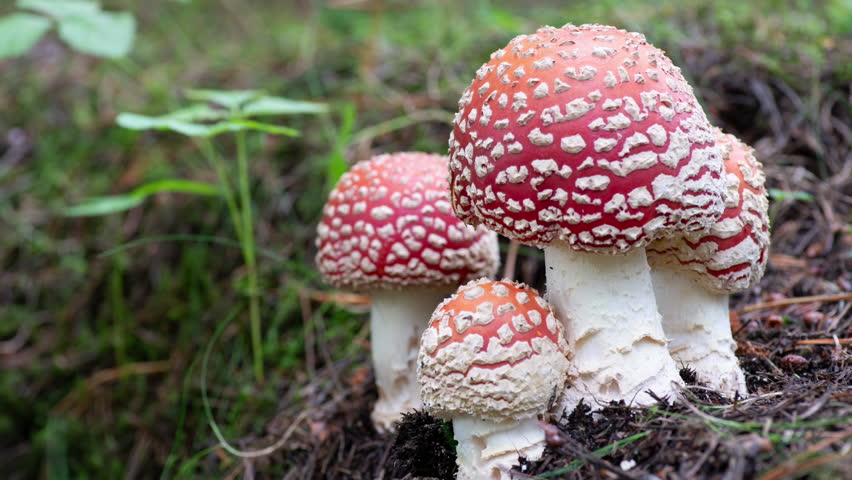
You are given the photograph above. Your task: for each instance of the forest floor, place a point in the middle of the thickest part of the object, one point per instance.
(124, 345)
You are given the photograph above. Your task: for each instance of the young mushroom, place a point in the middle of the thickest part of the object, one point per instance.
(589, 143)
(492, 361)
(388, 229)
(693, 276)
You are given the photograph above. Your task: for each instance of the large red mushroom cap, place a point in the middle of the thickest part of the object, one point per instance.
(494, 351)
(388, 223)
(731, 256)
(588, 135)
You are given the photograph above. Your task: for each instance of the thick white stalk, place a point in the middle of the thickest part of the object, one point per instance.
(607, 305)
(397, 320)
(488, 450)
(697, 323)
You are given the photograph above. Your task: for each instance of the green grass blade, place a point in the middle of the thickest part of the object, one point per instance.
(176, 185)
(106, 205)
(208, 412)
(781, 195)
(337, 164)
(97, 206)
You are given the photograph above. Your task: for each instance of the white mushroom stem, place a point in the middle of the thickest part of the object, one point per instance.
(397, 319)
(697, 323)
(607, 305)
(488, 450)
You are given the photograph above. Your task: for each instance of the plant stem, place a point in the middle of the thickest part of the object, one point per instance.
(222, 174)
(247, 241)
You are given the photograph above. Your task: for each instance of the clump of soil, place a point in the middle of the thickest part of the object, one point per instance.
(424, 447)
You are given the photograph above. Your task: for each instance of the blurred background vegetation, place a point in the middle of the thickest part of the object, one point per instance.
(104, 321)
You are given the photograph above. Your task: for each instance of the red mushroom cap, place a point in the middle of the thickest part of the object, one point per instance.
(588, 135)
(730, 256)
(388, 223)
(493, 350)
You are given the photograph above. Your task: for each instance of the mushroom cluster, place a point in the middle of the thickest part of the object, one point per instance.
(585, 141)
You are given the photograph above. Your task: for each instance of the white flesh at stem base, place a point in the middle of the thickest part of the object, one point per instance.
(697, 323)
(397, 320)
(488, 450)
(607, 305)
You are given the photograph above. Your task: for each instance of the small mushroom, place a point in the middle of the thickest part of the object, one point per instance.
(492, 360)
(388, 230)
(589, 143)
(694, 275)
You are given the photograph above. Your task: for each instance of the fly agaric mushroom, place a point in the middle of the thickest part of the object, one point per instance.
(388, 229)
(492, 360)
(588, 142)
(693, 276)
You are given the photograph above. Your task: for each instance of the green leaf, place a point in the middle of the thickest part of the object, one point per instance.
(134, 121)
(230, 99)
(264, 127)
(60, 8)
(19, 32)
(781, 195)
(281, 106)
(97, 206)
(196, 113)
(176, 185)
(170, 122)
(101, 34)
(105, 205)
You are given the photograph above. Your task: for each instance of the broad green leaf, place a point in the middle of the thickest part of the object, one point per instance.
(61, 8)
(19, 32)
(230, 99)
(106, 205)
(102, 34)
(96, 206)
(781, 195)
(281, 106)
